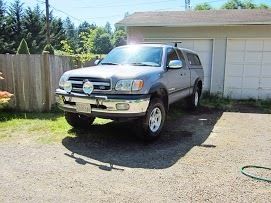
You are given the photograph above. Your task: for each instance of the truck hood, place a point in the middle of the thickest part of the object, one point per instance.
(114, 71)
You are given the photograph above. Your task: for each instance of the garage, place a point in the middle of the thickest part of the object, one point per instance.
(204, 48)
(234, 45)
(248, 69)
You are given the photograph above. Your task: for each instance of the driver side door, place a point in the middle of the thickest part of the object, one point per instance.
(178, 80)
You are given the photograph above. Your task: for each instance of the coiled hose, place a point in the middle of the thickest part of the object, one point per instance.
(254, 176)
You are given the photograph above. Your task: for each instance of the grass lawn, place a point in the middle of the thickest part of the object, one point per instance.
(52, 127)
(42, 127)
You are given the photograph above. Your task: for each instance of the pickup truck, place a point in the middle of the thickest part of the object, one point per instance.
(137, 82)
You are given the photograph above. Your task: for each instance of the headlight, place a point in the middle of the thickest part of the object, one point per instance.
(62, 80)
(67, 86)
(129, 85)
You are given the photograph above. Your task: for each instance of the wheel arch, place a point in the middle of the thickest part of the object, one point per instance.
(198, 83)
(160, 91)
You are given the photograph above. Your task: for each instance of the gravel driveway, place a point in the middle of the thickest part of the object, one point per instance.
(198, 158)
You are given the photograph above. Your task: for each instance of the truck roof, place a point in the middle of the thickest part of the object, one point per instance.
(160, 45)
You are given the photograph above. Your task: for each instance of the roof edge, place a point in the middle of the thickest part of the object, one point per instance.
(193, 25)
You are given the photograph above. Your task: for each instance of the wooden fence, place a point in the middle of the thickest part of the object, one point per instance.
(32, 79)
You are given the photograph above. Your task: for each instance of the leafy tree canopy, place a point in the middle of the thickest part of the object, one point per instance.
(203, 6)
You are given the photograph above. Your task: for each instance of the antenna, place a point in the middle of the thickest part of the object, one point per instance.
(176, 44)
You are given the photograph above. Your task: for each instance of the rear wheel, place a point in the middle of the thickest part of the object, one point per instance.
(79, 121)
(193, 100)
(151, 125)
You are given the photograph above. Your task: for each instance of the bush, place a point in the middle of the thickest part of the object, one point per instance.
(4, 96)
(23, 48)
(49, 48)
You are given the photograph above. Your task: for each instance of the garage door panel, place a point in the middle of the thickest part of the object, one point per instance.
(249, 93)
(251, 61)
(189, 44)
(266, 82)
(202, 45)
(235, 70)
(265, 94)
(266, 70)
(252, 70)
(267, 45)
(235, 57)
(232, 93)
(251, 82)
(234, 82)
(254, 45)
(236, 45)
(266, 57)
(253, 57)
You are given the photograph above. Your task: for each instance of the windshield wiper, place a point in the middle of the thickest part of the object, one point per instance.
(142, 64)
(109, 63)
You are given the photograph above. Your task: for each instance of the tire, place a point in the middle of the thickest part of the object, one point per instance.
(79, 121)
(194, 99)
(150, 126)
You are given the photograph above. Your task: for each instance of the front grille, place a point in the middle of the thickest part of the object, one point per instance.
(100, 84)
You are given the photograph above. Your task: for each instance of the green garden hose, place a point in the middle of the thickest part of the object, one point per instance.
(253, 176)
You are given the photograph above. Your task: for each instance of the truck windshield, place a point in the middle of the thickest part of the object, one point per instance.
(134, 55)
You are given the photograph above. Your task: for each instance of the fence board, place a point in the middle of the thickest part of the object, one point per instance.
(32, 79)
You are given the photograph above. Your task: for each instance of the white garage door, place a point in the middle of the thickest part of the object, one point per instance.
(248, 69)
(204, 47)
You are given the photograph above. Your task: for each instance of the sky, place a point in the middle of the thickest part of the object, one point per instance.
(100, 12)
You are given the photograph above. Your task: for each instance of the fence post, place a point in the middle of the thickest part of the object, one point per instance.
(46, 76)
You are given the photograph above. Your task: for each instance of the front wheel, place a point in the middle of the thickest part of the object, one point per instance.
(79, 121)
(151, 125)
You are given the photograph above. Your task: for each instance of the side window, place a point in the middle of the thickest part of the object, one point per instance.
(181, 56)
(197, 60)
(171, 55)
(193, 59)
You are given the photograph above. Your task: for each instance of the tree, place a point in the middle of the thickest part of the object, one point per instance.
(263, 6)
(102, 44)
(119, 38)
(3, 30)
(49, 48)
(88, 38)
(85, 26)
(57, 32)
(23, 48)
(108, 28)
(15, 25)
(249, 5)
(233, 4)
(71, 34)
(34, 30)
(203, 6)
(66, 47)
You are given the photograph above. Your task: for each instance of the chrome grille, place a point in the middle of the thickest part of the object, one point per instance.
(100, 84)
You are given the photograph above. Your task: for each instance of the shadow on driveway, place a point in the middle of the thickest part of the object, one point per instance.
(116, 144)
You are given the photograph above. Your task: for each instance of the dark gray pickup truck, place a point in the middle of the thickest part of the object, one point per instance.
(132, 82)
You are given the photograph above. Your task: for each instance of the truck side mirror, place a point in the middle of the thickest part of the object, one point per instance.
(96, 62)
(175, 64)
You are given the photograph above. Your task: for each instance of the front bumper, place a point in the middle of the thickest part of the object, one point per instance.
(104, 106)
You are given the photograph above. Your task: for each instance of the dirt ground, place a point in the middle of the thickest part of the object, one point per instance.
(198, 158)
